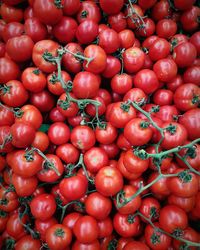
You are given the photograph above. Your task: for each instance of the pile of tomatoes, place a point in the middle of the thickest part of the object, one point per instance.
(99, 124)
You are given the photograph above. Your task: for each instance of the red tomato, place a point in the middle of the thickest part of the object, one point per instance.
(117, 22)
(88, 11)
(29, 243)
(43, 100)
(41, 226)
(59, 133)
(133, 59)
(159, 49)
(111, 7)
(186, 204)
(11, 13)
(70, 219)
(87, 31)
(10, 200)
(67, 153)
(166, 28)
(109, 40)
(192, 75)
(150, 208)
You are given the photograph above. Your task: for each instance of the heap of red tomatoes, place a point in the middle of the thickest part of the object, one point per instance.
(99, 124)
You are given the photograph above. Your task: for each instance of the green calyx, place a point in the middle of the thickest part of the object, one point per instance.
(36, 71)
(185, 176)
(125, 106)
(58, 4)
(171, 129)
(59, 232)
(155, 238)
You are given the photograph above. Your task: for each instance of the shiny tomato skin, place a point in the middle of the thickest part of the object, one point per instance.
(112, 68)
(98, 206)
(67, 153)
(42, 225)
(109, 40)
(41, 141)
(192, 75)
(29, 243)
(9, 70)
(86, 229)
(95, 245)
(166, 28)
(111, 6)
(59, 133)
(43, 206)
(108, 181)
(10, 13)
(5, 136)
(187, 204)
(159, 49)
(70, 219)
(11, 200)
(88, 10)
(117, 22)
(133, 59)
(87, 32)
(136, 245)
(43, 100)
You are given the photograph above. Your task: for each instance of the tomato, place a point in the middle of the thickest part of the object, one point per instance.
(71, 7)
(41, 226)
(133, 20)
(166, 28)
(167, 113)
(35, 29)
(86, 85)
(111, 7)
(123, 143)
(12, 29)
(126, 225)
(186, 204)
(59, 133)
(137, 132)
(5, 139)
(167, 219)
(65, 108)
(95, 245)
(87, 31)
(186, 96)
(9, 70)
(155, 239)
(20, 48)
(160, 10)
(26, 164)
(135, 164)
(183, 5)
(43, 100)
(49, 174)
(58, 237)
(159, 188)
(44, 47)
(67, 153)
(107, 135)
(54, 85)
(82, 137)
(56, 116)
(108, 181)
(41, 141)
(94, 159)
(48, 12)
(113, 66)
(131, 206)
(98, 206)
(159, 49)
(27, 242)
(127, 38)
(194, 39)
(2, 163)
(33, 79)
(150, 208)
(121, 83)
(109, 40)
(8, 200)
(88, 11)
(24, 186)
(43, 206)
(148, 29)
(70, 219)
(187, 51)
(11, 13)
(175, 82)
(189, 19)
(117, 22)
(190, 121)
(98, 64)
(74, 187)
(86, 229)
(15, 226)
(192, 75)
(146, 4)
(133, 59)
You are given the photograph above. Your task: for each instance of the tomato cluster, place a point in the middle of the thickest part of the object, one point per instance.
(99, 124)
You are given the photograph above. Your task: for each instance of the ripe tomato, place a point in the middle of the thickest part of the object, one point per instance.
(166, 28)
(41, 226)
(192, 75)
(95, 245)
(9, 70)
(43, 100)
(33, 79)
(126, 225)
(71, 7)
(111, 7)
(27, 242)
(43, 206)
(136, 245)
(112, 68)
(86, 229)
(150, 208)
(67, 153)
(87, 31)
(5, 139)
(74, 187)
(109, 40)
(98, 206)
(11, 13)
(108, 181)
(117, 22)
(167, 219)
(163, 97)
(187, 204)
(88, 11)
(41, 141)
(70, 219)
(9, 201)
(58, 237)
(133, 59)
(59, 133)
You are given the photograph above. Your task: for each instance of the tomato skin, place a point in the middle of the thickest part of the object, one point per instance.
(125, 226)
(117, 22)
(43, 206)
(74, 187)
(111, 7)
(134, 164)
(136, 134)
(98, 64)
(121, 83)
(37, 56)
(71, 7)
(41, 226)
(187, 204)
(184, 96)
(33, 79)
(5, 132)
(22, 134)
(172, 140)
(146, 80)
(11, 13)
(82, 137)
(43, 100)
(187, 51)
(27, 242)
(133, 205)
(24, 186)
(166, 28)
(65, 30)
(189, 19)
(160, 10)
(56, 116)
(108, 181)
(71, 110)
(105, 227)
(95, 245)
(58, 237)
(159, 49)
(70, 219)
(192, 75)
(181, 188)
(88, 11)
(11, 198)
(167, 219)
(59, 133)
(150, 208)
(136, 245)
(133, 59)
(86, 85)
(86, 229)
(109, 40)
(20, 48)
(119, 117)
(47, 12)
(160, 188)
(67, 153)
(134, 16)
(113, 66)
(190, 121)
(98, 206)
(163, 242)
(94, 159)
(87, 32)
(194, 39)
